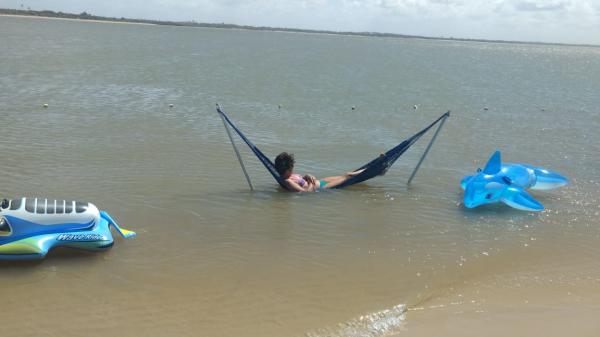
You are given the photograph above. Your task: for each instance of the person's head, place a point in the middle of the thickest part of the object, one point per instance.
(284, 164)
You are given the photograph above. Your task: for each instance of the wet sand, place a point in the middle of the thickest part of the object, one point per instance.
(516, 298)
(529, 296)
(531, 310)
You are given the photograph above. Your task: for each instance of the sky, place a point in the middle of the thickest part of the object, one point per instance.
(563, 21)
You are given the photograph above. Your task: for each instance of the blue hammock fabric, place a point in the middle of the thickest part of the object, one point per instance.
(375, 167)
(263, 159)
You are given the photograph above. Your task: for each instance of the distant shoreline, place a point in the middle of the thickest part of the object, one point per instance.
(102, 19)
(73, 19)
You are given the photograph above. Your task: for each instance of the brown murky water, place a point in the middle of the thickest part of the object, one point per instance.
(214, 259)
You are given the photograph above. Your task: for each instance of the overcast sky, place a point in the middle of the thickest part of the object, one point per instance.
(568, 21)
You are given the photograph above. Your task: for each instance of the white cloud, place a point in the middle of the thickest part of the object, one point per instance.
(537, 5)
(445, 8)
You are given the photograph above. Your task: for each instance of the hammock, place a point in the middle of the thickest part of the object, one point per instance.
(375, 167)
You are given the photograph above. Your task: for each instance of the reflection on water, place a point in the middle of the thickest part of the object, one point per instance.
(211, 256)
(376, 324)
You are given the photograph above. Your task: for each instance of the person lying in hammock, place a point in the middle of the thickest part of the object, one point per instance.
(284, 164)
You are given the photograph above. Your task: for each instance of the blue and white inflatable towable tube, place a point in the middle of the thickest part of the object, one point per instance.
(30, 227)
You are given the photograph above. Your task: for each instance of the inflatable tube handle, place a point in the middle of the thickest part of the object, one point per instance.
(124, 232)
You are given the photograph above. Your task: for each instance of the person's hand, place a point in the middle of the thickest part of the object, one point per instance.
(311, 179)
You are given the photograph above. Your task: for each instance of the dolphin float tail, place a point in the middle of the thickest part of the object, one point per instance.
(546, 179)
(124, 232)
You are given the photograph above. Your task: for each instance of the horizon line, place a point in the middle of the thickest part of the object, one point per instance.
(87, 16)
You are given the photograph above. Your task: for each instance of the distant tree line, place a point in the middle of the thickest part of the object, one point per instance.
(88, 16)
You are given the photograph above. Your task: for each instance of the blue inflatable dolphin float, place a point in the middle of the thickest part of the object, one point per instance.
(30, 227)
(507, 183)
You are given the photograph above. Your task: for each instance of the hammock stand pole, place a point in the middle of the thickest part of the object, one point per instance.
(427, 149)
(237, 153)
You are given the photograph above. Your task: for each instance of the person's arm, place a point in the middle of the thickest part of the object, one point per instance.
(295, 187)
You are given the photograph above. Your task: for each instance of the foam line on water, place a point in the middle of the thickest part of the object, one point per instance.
(377, 324)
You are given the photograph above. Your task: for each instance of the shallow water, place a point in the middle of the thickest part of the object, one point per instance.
(212, 258)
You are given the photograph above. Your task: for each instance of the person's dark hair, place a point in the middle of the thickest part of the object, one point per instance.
(283, 162)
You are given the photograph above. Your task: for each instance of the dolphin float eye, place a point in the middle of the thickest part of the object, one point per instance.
(488, 196)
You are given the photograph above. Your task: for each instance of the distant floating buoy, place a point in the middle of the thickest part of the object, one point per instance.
(415, 107)
(485, 108)
(170, 105)
(278, 106)
(543, 109)
(45, 105)
(353, 107)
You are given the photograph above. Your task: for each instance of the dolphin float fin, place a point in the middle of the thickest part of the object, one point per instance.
(518, 198)
(124, 232)
(494, 164)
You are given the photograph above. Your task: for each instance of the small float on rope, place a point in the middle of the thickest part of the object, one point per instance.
(506, 183)
(30, 227)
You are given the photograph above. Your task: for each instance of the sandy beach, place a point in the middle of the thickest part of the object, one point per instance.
(540, 305)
